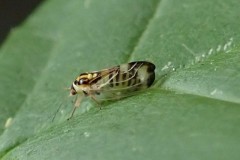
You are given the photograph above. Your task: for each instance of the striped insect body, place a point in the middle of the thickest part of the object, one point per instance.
(114, 83)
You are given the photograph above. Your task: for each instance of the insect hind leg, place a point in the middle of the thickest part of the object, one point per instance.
(95, 100)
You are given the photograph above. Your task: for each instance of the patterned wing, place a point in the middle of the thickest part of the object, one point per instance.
(121, 81)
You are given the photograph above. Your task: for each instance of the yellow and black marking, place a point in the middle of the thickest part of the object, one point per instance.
(114, 83)
(136, 74)
(126, 77)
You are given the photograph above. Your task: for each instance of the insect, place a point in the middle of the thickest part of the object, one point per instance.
(113, 83)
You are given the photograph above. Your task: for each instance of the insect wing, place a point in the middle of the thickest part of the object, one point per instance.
(121, 81)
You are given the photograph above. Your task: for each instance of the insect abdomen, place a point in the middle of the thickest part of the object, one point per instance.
(138, 74)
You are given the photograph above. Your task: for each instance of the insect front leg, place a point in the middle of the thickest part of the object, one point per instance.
(76, 105)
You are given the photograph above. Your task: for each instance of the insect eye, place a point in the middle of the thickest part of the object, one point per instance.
(83, 81)
(75, 82)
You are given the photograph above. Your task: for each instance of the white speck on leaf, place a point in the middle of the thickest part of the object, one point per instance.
(228, 44)
(167, 66)
(66, 130)
(197, 59)
(62, 111)
(225, 47)
(8, 122)
(210, 51)
(86, 134)
(219, 48)
(216, 92)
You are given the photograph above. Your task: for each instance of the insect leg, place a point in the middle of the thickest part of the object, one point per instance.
(76, 105)
(95, 100)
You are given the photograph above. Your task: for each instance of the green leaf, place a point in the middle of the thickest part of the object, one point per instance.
(191, 112)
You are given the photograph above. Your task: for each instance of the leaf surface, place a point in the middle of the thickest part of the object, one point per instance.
(191, 112)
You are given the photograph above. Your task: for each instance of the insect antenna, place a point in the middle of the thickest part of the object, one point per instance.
(56, 111)
(55, 114)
